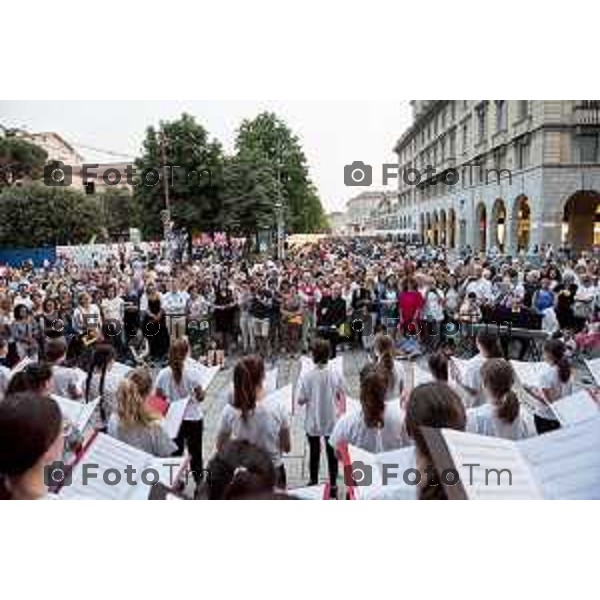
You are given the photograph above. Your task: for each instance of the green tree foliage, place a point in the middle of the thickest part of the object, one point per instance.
(268, 136)
(20, 160)
(119, 212)
(249, 190)
(34, 215)
(195, 177)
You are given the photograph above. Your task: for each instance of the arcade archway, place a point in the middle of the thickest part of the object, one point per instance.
(581, 220)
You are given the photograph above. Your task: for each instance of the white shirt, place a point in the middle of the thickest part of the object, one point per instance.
(433, 305)
(262, 427)
(482, 288)
(352, 429)
(472, 380)
(4, 379)
(549, 379)
(175, 303)
(87, 318)
(317, 390)
(113, 308)
(484, 421)
(190, 380)
(67, 382)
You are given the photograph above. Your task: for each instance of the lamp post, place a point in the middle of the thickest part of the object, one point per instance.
(166, 214)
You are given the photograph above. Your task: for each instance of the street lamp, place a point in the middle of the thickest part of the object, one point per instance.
(279, 214)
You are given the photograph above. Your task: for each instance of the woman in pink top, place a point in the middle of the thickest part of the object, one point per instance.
(410, 304)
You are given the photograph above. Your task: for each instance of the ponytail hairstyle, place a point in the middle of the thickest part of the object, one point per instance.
(499, 378)
(555, 350)
(373, 389)
(103, 355)
(432, 405)
(178, 352)
(131, 405)
(29, 425)
(384, 348)
(240, 471)
(438, 365)
(248, 376)
(142, 378)
(489, 343)
(321, 351)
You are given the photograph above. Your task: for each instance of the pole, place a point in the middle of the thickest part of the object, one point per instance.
(167, 213)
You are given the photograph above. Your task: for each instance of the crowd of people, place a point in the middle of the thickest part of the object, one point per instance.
(64, 327)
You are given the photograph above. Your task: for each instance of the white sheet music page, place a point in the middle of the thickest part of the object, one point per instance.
(498, 470)
(108, 453)
(566, 462)
(174, 417)
(576, 408)
(528, 373)
(594, 368)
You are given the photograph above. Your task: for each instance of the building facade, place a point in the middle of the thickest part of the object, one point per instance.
(510, 174)
(367, 210)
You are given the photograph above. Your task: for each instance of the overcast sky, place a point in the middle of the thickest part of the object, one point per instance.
(332, 133)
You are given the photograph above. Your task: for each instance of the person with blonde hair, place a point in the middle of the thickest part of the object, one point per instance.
(134, 424)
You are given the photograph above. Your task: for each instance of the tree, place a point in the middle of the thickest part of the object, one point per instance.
(194, 176)
(268, 136)
(119, 211)
(249, 189)
(34, 214)
(20, 160)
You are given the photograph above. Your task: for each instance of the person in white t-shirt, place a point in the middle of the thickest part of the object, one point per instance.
(253, 419)
(31, 438)
(555, 382)
(378, 425)
(502, 416)
(178, 381)
(433, 405)
(318, 390)
(175, 303)
(66, 381)
(469, 381)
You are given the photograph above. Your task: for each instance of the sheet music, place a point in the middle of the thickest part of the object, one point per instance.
(207, 374)
(108, 453)
(493, 455)
(284, 397)
(421, 376)
(171, 469)
(566, 462)
(576, 408)
(528, 373)
(174, 417)
(594, 368)
(20, 366)
(313, 492)
(77, 413)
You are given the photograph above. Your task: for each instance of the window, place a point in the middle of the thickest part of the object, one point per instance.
(500, 115)
(588, 148)
(443, 149)
(452, 144)
(481, 124)
(522, 152)
(522, 109)
(465, 136)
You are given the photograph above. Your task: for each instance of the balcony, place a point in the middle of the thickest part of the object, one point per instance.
(587, 113)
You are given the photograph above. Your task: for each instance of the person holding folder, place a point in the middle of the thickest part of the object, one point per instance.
(178, 381)
(378, 425)
(31, 438)
(134, 424)
(249, 418)
(433, 405)
(502, 416)
(318, 390)
(555, 382)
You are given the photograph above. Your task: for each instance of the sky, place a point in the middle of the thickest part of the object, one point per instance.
(332, 133)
